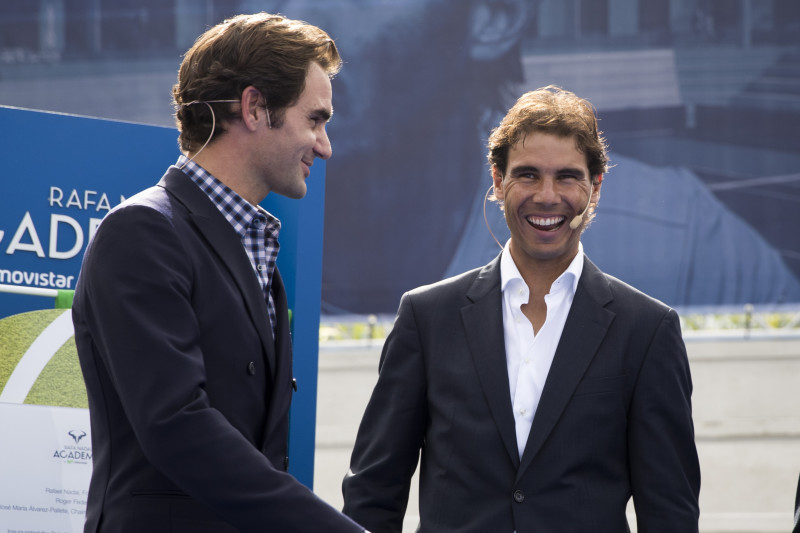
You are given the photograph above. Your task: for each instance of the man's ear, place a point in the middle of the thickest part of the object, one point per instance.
(597, 183)
(496, 26)
(251, 103)
(497, 179)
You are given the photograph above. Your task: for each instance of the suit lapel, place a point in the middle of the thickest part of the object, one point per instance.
(483, 325)
(227, 245)
(584, 331)
(276, 429)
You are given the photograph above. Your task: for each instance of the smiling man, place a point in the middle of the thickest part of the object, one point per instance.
(542, 393)
(181, 319)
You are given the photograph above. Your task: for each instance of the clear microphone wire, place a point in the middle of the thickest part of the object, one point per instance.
(485, 219)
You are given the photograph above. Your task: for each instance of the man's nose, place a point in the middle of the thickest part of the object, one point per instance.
(323, 148)
(546, 191)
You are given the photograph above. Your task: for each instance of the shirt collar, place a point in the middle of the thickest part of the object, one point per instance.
(569, 278)
(239, 212)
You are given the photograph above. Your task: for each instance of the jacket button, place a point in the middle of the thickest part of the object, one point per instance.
(251, 368)
(519, 496)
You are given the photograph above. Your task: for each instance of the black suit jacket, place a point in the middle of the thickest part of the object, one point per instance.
(614, 419)
(188, 391)
(797, 509)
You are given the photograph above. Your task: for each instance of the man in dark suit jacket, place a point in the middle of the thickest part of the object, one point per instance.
(542, 393)
(181, 319)
(797, 509)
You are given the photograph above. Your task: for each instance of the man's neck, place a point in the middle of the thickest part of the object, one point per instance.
(539, 275)
(228, 166)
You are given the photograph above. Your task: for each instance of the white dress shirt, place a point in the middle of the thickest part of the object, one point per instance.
(529, 356)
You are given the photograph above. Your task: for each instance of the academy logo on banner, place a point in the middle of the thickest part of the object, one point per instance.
(57, 190)
(45, 472)
(58, 228)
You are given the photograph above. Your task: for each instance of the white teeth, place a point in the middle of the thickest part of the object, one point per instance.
(551, 221)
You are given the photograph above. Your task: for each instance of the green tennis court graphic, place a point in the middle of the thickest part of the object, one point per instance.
(39, 361)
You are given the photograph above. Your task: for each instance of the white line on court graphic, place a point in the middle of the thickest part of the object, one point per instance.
(36, 358)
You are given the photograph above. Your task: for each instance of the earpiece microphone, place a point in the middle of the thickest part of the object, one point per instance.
(575, 222)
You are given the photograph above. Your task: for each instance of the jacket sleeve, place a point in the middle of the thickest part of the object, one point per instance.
(665, 472)
(391, 433)
(138, 301)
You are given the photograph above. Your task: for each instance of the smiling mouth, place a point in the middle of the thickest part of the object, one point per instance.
(546, 223)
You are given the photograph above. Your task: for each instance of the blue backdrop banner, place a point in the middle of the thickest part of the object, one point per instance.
(61, 175)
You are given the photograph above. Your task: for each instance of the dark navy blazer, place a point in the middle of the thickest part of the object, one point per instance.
(188, 391)
(614, 419)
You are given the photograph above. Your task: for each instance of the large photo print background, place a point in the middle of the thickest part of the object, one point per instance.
(699, 101)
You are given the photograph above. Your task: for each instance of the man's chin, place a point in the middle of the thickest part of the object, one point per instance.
(294, 193)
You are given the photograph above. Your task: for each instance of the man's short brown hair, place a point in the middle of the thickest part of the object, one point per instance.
(270, 52)
(555, 111)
